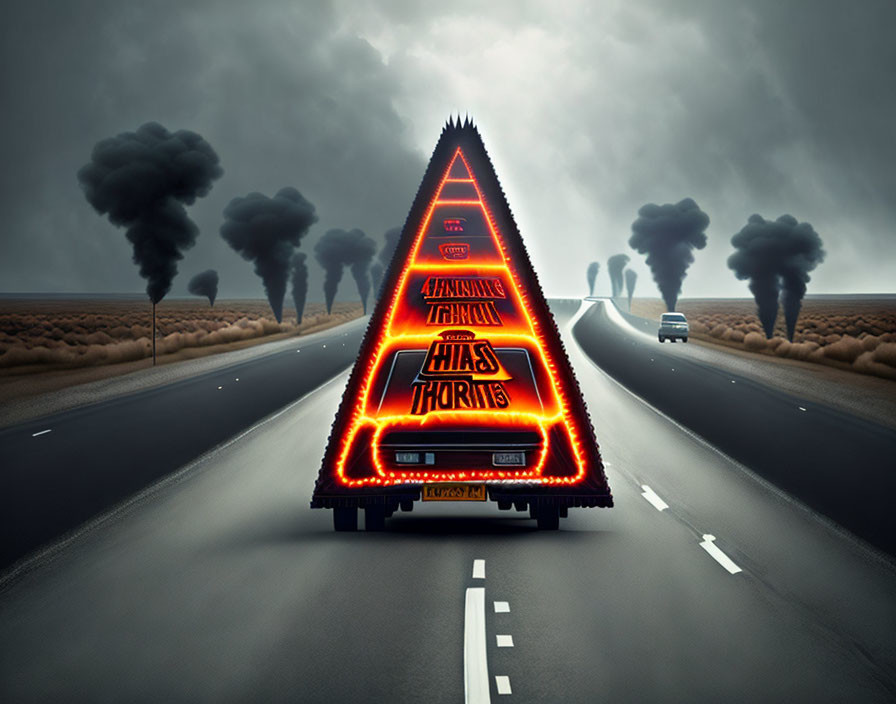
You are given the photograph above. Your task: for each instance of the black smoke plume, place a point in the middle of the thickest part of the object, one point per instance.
(668, 234)
(776, 256)
(338, 249)
(299, 284)
(376, 275)
(205, 284)
(361, 255)
(388, 250)
(266, 231)
(591, 275)
(615, 265)
(631, 278)
(142, 180)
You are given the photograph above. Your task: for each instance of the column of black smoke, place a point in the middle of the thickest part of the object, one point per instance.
(591, 275)
(388, 249)
(668, 234)
(338, 249)
(776, 256)
(631, 278)
(266, 231)
(142, 180)
(205, 284)
(376, 275)
(361, 254)
(299, 284)
(615, 265)
(330, 253)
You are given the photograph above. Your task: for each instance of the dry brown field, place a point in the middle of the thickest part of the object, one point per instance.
(856, 334)
(39, 336)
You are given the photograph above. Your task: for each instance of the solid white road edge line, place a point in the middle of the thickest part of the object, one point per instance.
(502, 682)
(718, 555)
(476, 689)
(478, 569)
(653, 499)
(502, 607)
(42, 432)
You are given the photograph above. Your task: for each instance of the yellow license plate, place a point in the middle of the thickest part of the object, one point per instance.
(454, 492)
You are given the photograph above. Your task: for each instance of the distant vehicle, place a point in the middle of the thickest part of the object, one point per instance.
(673, 326)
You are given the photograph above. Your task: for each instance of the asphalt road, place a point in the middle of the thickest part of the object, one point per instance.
(220, 584)
(58, 471)
(837, 463)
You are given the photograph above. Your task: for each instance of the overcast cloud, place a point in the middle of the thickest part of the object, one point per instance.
(589, 110)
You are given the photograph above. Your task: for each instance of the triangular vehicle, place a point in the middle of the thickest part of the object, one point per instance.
(462, 389)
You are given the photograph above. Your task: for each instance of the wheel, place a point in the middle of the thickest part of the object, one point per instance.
(684, 339)
(548, 517)
(662, 339)
(345, 518)
(375, 517)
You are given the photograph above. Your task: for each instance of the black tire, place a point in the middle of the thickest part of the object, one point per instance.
(662, 339)
(684, 339)
(345, 518)
(548, 518)
(375, 517)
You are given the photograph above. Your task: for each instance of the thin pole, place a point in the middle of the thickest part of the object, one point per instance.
(153, 333)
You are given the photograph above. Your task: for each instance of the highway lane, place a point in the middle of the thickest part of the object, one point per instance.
(220, 584)
(60, 470)
(835, 462)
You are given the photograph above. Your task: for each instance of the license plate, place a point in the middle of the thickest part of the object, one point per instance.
(454, 492)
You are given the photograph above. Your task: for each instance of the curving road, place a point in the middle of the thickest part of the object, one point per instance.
(220, 584)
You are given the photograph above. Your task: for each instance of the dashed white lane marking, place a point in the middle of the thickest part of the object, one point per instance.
(476, 689)
(801, 408)
(502, 607)
(502, 682)
(42, 432)
(505, 641)
(237, 379)
(478, 569)
(653, 499)
(718, 555)
(220, 387)
(298, 350)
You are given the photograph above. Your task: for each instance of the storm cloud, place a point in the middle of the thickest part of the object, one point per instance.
(347, 99)
(142, 180)
(668, 235)
(266, 231)
(776, 257)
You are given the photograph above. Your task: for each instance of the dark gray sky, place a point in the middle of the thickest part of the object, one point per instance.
(588, 109)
